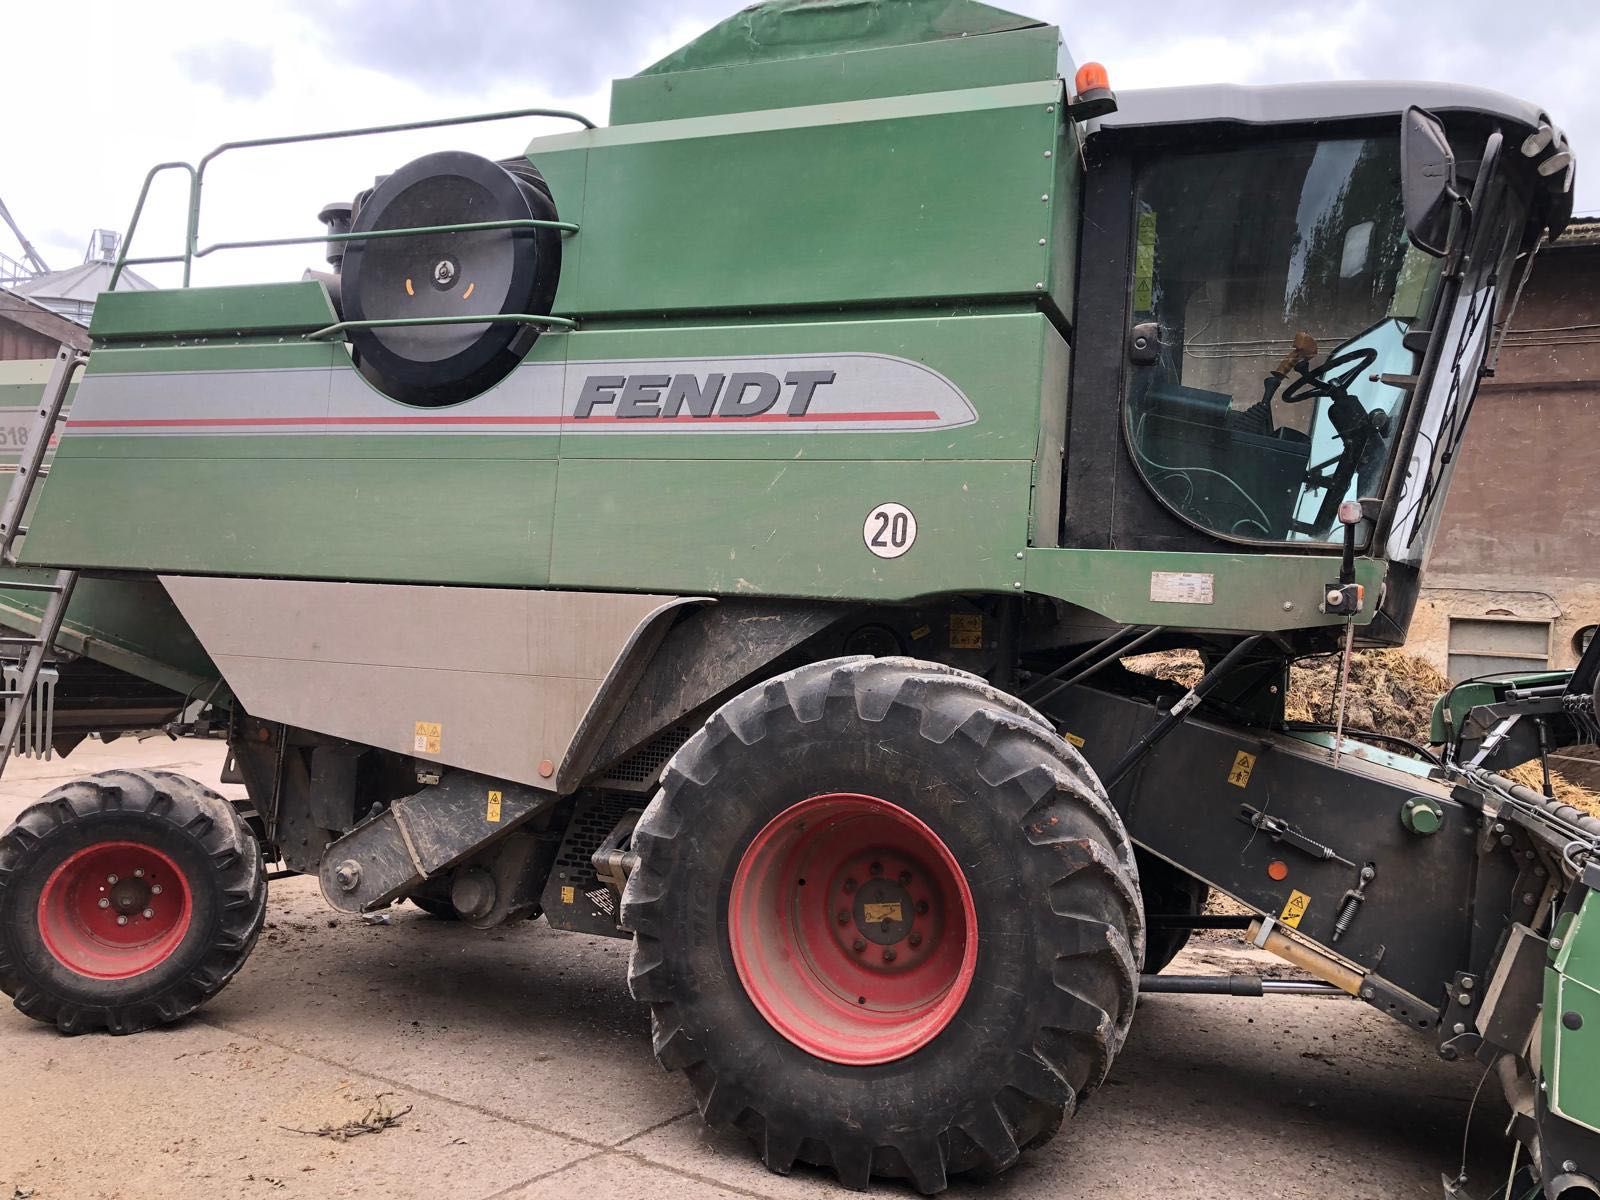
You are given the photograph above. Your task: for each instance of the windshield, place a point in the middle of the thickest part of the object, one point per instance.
(1280, 286)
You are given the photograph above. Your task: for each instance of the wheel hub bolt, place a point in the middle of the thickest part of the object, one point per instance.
(844, 917)
(876, 868)
(105, 902)
(889, 954)
(155, 889)
(915, 939)
(148, 913)
(849, 886)
(138, 872)
(348, 875)
(858, 945)
(122, 920)
(111, 878)
(905, 877)
(922, 907)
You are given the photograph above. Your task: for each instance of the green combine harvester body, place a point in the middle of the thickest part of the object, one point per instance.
(723, 528)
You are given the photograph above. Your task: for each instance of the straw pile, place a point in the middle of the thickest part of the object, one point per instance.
(1390, 692)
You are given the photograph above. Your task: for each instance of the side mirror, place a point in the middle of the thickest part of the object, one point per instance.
(1428, 182)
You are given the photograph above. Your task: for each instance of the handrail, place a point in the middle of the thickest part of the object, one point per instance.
(191, 248)
(133, 223)
(376, 234)
(562, 323)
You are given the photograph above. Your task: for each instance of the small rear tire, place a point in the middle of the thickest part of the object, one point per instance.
(127, 900)
(772, 986)
(1170, 892)
(439, 910)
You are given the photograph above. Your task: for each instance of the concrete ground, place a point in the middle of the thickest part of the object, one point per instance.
(523, 1069)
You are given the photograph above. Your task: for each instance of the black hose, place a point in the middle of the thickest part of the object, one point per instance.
(1045, 680)
(1178, 712)
(1555, 808)
(1104, 661)
(1202, 985)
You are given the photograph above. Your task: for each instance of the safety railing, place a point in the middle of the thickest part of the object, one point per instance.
(197, 174)
(328, 331)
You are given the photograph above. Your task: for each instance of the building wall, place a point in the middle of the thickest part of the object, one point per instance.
(1519, 540)
(17, 342)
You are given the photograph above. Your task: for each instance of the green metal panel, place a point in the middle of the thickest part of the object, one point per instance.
(997, 360)
(451, 520)
(566, 173)
(1015, 56)
(1061, 279)
(786, 528)
(852, 203)
(458, 509)
(1249, 591)
(1571, 1056)
(478, 509)
(1356, 748)
(215, 354)
(130, 624)
(257, 308)
(1465, 697)
(126, 623)
(784, 29)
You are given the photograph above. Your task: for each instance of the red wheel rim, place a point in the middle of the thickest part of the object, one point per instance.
(852, 928)
(114, 909)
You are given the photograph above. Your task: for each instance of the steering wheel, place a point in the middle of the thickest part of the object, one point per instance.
(1355, 426)
(1332, 378)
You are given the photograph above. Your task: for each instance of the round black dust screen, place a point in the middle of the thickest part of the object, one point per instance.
(464, 273)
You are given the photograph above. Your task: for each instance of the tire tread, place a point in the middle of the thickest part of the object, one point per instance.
(187, 805)
(1060, 810)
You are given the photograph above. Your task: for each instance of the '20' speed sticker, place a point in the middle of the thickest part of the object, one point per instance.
(890, 530)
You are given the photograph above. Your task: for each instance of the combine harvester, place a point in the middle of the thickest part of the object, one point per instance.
(722, 529)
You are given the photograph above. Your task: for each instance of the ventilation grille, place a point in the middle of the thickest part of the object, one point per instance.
(596, 816)
(640, 770)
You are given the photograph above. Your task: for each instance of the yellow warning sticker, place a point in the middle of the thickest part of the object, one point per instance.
(1074, 739)
(920, 632)
(1243, 763)
(1144, 263)
(966, 631)
(568, 894)
(492, 809)
(889, 910)
(427, 737)
(1293, 909)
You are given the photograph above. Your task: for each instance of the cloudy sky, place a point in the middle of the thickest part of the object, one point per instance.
(105, 89)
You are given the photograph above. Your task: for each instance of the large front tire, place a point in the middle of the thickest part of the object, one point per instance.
(798, 1003)
(127, 900)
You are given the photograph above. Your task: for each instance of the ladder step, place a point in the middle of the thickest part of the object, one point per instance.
(19, 641)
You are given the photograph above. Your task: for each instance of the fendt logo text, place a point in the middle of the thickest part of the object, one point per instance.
(739, 394)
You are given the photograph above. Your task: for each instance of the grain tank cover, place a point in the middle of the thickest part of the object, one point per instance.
(793, 53)
(783, 29)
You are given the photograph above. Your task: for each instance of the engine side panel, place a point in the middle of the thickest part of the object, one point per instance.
(494, 680)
